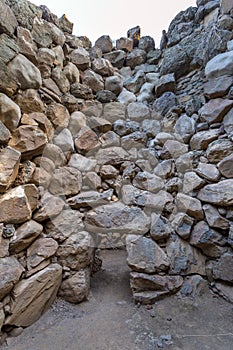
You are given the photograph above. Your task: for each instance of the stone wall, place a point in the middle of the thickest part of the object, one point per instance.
(104, 146)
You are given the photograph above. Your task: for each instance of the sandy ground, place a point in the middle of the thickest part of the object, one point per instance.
(111, 321)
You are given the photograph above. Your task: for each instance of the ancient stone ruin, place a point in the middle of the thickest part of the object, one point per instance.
(105, 146)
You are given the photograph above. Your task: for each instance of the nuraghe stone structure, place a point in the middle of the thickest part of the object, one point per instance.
(105, 146)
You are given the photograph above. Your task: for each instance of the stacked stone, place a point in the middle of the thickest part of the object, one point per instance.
(100, 148)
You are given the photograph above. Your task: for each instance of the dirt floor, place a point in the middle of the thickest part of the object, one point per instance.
(111, 321)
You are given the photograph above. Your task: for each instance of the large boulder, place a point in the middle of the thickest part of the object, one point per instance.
(144, 255)
(117, 217)
(25, 72)
(32, 297)
(220, 65)
(10, 273)
(8, 21)
(219, 194)
(76, 252)
(75, 288)
(10, 113)
(18, 203)
(9, 166)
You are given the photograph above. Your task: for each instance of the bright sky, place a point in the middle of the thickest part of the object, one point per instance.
(94, 18)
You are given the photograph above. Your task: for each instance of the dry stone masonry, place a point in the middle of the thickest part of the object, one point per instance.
(104, 146)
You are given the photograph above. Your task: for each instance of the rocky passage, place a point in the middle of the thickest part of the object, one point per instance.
(105, 146)
(111, 320)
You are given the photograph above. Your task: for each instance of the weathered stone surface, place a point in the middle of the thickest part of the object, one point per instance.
(214, 219)
(219, 194)
(226, 166)
(29, 101)
(135, 58)
(67, 223)
(113, 111)
(185, 127)
(24, 236)
(144, 255)
(92, 180)
(225, 290)
(10, 113)
(126, 97)
(146, 43)
(114, 84)
(93, 80)
(27, 74)
(202, 139)
(104, 43)
(81, 91)
(25, 12)
(90, 199)
(164, 169)
(116, 58)
(102, 67)
(76, 251)
(125, 44)
(165, 83)
(4, 134)
(182, 224)
(9, 48)
(55, 154)
(138, 111)
(147, 181)
(8, 21)
(223, 268)
(27, 46)
(16, 205)
(194, 286)
(29, 140)
(160, 227)
(64, 140)
(49, 207)
(134, 34)
(149, 288)
(33, 296)
(105, 96)
(75, 288)
(9, 166)
(217, 87)
(192, 182)
(134, 83)
(117, 217)
(72, 73)
(191, 206)
(136, 140)
(45, 33)
(82, 163)
(4, 243)
(214, 110)
(165, 102)
(206, 239)
(61, 80)
(208, 171)
(8, 84)
(173, 149)
(218, 150)
(42, 249)
(66, 181)
(220, 65)
(87, 140)
(10, 273)
(134, 196)
(80, 57)
(228, 122)
(111, 155)
(58, 115)
(185, 259)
